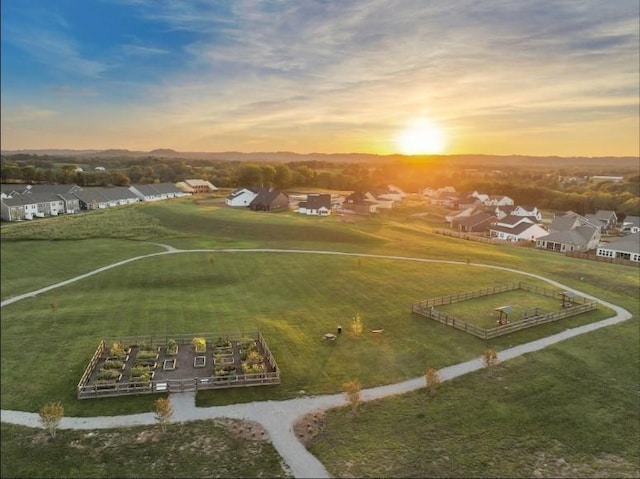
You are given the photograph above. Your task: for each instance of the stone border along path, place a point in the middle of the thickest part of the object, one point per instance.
(278, 417)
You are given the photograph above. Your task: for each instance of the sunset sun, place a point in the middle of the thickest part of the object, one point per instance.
(421, 137)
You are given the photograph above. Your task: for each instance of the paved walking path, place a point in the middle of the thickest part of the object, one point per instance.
(278, 417)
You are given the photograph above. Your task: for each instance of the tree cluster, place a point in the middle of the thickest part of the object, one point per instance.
(546, 188)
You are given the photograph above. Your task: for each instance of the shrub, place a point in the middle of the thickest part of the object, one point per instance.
(146, 355)
(117, 350)
(249, 368)
(108, 374)
(222, 343)
(139, 370)
(113, 364)
(199, 344)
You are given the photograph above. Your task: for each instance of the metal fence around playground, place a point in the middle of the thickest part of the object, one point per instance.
(577, 305)
(86, 390)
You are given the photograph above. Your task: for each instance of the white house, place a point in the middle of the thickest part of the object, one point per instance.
(496, 200)
(241, 197)
(627, 247)
(517, 228)
(526, 210)
(631, 224)
(316, 205)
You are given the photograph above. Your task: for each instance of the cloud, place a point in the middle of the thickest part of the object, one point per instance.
(55, 49)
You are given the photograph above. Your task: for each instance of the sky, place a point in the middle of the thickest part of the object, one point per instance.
(544, 77)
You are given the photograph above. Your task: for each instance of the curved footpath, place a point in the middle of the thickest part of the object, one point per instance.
(278, 417)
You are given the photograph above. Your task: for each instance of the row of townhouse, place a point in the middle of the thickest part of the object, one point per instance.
(25, 202)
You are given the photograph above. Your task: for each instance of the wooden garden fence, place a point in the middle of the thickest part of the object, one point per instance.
(85, 390)
(427, 308)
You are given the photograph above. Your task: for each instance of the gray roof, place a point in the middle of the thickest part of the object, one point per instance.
(146, 190)
(632, 221)
(516, 230)
(577, 236)
(91, 195)
(166, 188)
(117, 193)
(31, 199)
(9, 188)
(315, 202)
(626, 244)
(56, 189)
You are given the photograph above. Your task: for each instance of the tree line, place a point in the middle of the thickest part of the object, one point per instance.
(543, 188)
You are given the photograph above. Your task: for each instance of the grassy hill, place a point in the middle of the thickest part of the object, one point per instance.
(539, 407)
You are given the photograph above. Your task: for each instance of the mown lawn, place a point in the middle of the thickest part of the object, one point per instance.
(30, 265)
(584, 388)
(293, 299)
(568, 411)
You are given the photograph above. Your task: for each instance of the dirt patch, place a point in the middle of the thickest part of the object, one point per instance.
(247, 430)
(308, 427)
(148, 436)
(606, 465)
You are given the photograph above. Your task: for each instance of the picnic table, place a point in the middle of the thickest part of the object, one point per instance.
(329, 337)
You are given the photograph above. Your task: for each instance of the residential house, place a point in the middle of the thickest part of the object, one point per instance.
(504, 210)
(526, 210)
(156, 191)
(433, 192)
(570, 232)
(32, 205)
(631, 224)
(446, 199)
(459, 215)
(167, 190)
(497, 200)
(92, 199)
(200, 186)
(241, 197)
(467, 200)
(608, 217)
(389, 192)
(317, 205)
(361, 202)
(269, 200)
(477, 223)
(18, 208)
(627, 247)
(517, 228)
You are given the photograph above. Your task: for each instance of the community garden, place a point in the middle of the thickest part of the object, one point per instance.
(294, 299)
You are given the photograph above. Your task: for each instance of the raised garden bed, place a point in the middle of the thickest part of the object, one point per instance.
(148, 368)
(199, 361)
(169, 364)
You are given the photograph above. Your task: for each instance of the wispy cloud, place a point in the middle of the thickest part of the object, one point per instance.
(264, 70)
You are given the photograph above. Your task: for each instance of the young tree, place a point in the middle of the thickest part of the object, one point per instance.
(352, 391)
(50, 416)
(163, 411)
(490, 360)
(356, 325)
(54, 309)
(432, 380)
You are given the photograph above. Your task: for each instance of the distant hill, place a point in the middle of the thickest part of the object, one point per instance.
(466, 161)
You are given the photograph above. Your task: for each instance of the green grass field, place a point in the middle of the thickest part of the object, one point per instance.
(294, 299)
